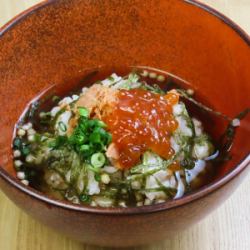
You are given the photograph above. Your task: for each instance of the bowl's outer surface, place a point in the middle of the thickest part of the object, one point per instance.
(57, 42)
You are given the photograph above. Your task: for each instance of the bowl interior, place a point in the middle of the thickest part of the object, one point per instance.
(64, 40)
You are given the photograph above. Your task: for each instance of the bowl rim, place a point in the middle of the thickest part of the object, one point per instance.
(191, 197)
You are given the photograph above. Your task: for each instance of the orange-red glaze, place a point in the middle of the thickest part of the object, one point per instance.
(142, 121)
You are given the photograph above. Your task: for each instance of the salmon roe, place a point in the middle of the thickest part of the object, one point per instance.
(142, 121)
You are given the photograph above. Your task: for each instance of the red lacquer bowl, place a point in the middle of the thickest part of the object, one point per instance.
(57, 41)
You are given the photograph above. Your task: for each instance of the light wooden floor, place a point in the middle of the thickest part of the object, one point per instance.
(228, 228)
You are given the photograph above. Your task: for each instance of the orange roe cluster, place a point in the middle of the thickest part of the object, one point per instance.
(142, 121)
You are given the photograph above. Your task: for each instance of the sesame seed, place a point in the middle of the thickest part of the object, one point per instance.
(25, 182)
(236, 122)
(105, 178)
(147, 202)
(159, 201)
(42, 115)
(18, 163)
(31, 138)
(190, 91)
(31, 131)
(136, 185)
(93, 204)
(122, 204)
(27, 126)
(21, 175)
(152, 75)
(29, 158)
(21, 132)
(124, 191)
(17, 153)
(139, 204)
(161, 78)
(144, 73)
(75, 200)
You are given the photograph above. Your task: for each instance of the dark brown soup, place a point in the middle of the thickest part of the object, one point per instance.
(131, 138)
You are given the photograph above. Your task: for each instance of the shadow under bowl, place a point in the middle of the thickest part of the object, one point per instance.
(58, 41)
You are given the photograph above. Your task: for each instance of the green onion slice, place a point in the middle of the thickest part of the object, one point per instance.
(62, 126)
(83, 112)
(98, 160)
(84, 198)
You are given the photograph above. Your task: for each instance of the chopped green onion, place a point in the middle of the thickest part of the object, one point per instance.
(55, 98)
(98, 160)
(79, 139)
(101, 124)
(97, 177)
(188, 163)
(133, 77)
(17, 143)
(83, 126)
(84, 148)
(109, 138)
(111, 78)
(62, 126)
(95, 138)
(44, 115)
(89, 136)
(58, 142)
(93, 169)
(84, 198)
(92, 123)
(96, 123)
(100, 130)
(83, 112)
(52, 144)
(25, 150)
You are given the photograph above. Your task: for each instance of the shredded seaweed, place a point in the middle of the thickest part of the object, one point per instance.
(202, 106)
(227, 139)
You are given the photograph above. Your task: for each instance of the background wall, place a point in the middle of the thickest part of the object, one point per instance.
(227, 228)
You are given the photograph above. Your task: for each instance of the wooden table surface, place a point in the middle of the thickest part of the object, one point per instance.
(228, 228)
